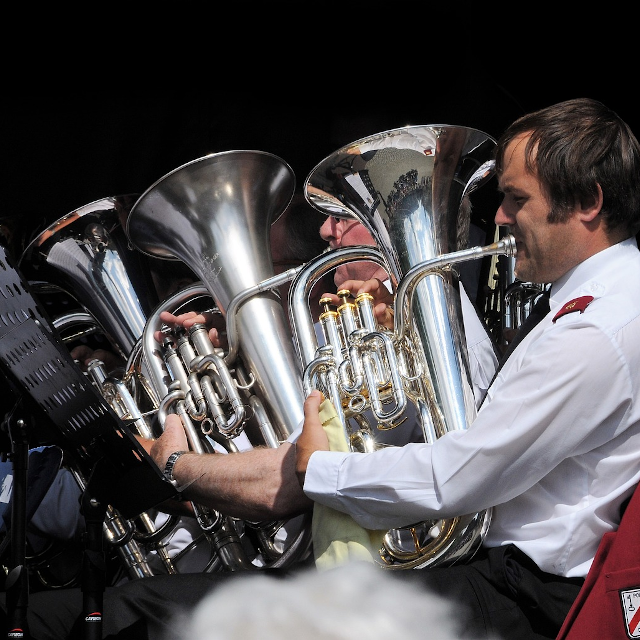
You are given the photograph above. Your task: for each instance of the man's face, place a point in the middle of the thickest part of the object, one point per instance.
(544, 249)
(341, 232)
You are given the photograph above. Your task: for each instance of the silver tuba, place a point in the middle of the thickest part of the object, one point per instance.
(407, 187)
(215, 214)
(85, 255)
(96, 287)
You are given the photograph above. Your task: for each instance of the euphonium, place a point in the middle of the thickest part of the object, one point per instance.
(407, 187)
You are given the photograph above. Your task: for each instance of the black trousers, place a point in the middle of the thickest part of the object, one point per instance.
(500, 593)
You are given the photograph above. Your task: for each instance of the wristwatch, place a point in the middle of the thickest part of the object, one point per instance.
(168, 468)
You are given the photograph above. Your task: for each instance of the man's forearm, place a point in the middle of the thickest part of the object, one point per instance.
(258, 484)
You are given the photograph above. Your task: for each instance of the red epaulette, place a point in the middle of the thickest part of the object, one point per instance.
(577, 304)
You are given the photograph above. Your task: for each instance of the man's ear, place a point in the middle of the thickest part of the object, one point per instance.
(591, 207)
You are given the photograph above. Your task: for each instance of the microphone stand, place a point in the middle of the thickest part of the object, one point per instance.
(93, 565)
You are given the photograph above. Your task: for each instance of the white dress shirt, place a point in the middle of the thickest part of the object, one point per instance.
(556, 444)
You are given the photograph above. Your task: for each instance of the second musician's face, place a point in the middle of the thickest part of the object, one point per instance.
(544, 249)
(341, 232)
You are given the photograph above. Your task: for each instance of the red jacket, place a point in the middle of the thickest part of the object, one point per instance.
(608, 605)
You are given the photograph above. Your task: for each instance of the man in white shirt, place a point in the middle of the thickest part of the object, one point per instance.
(555, 448)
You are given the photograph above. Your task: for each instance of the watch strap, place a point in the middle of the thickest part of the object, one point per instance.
(168, 468)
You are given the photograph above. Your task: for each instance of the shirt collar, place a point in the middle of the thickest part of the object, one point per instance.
(589, 277)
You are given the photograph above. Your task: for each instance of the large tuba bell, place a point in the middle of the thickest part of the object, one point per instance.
(407, 187)
(85, 254)
(215, 214)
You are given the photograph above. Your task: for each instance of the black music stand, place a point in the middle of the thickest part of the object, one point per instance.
(39, 367)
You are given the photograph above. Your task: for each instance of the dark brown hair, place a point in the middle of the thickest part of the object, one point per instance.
(574, 146)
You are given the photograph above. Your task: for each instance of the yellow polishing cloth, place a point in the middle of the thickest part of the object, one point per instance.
(337, 538)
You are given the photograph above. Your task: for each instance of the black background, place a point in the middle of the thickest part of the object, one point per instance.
(64, 151)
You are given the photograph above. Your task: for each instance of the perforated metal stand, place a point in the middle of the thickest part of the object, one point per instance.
(39, 367)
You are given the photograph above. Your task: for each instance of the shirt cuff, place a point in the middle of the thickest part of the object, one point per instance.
(321, 478)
